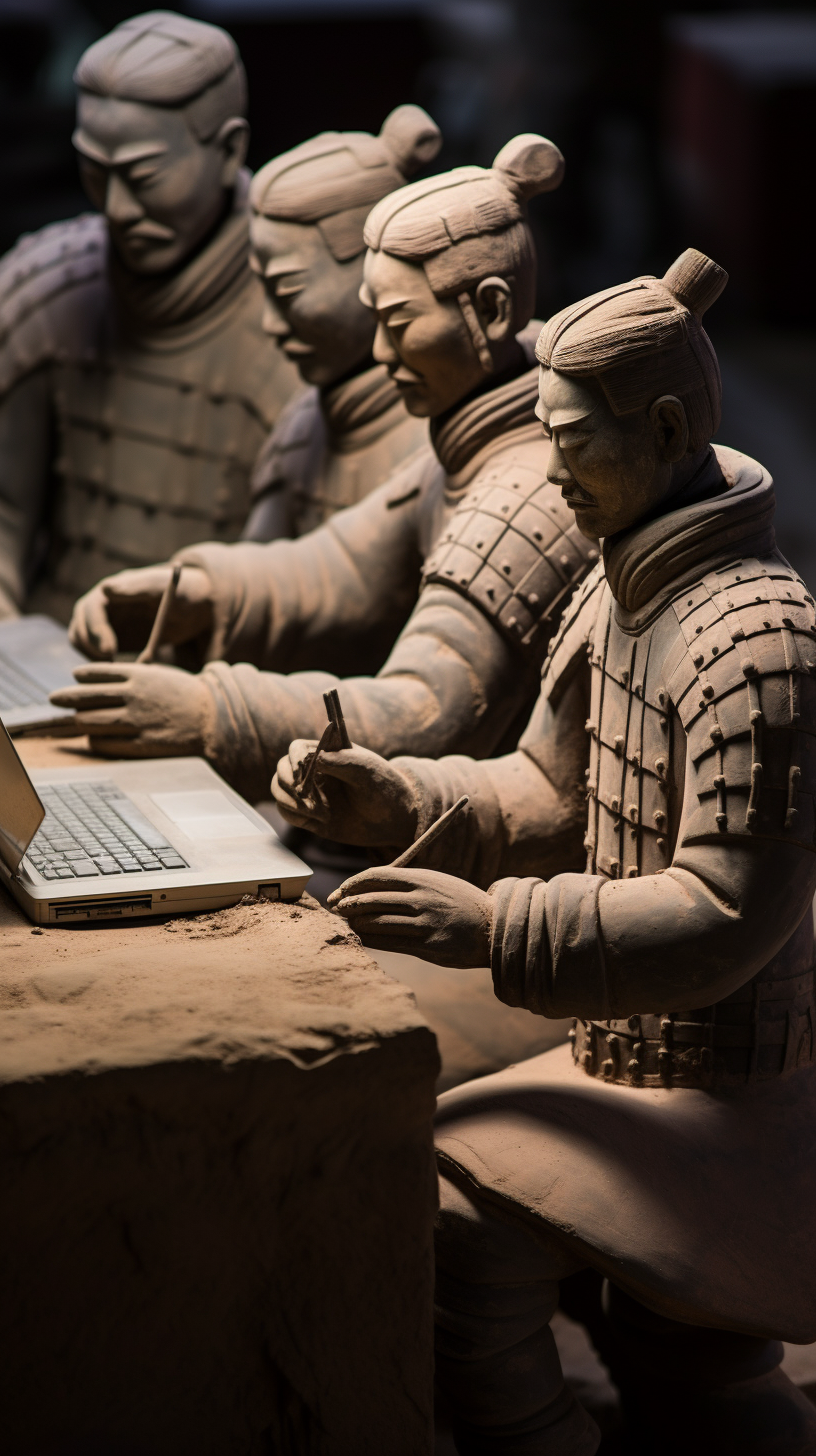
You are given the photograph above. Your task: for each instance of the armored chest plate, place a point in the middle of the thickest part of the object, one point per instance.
(635, 778)
(719, 687)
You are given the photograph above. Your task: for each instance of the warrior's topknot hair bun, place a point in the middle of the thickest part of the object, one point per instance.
(530, 164)
(411, 138)
(643, 339)
(695, 281)
(471, 223)
(334, 179)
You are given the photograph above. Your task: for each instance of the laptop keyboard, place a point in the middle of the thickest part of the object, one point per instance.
(93, 829)
(17, 690)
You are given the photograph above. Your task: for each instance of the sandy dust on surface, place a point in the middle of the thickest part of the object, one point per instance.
(259, 978)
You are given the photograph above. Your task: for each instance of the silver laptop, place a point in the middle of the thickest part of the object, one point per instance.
(141, 837)
(36, 658)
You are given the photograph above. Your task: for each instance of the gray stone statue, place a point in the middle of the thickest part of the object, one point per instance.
(341, 438)
(456, 570)
(669, 1148)
(136, 383)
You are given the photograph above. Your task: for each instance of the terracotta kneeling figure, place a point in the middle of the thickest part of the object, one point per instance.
(136, 383)
(466, 557)
(668, 1149)
(341, 438)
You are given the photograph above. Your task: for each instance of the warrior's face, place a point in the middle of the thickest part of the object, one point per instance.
(160, 188)
(424, 341)
(312, 306)
(612, 469)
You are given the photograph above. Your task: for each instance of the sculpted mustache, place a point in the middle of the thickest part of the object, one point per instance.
(576, 492)
(403, 375)
(150, 232)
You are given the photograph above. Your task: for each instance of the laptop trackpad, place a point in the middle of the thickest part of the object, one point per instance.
(206, 814)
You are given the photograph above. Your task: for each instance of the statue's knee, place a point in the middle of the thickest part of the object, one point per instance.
(482, 1243)
(660, 1349)
(715, 1392)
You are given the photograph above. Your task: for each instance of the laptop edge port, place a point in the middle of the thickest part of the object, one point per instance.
(129, 905)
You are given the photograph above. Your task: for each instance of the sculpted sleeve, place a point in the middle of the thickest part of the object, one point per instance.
(339, 594)
(527, 809)
(448, 667)
(460, 677)
(740, 677)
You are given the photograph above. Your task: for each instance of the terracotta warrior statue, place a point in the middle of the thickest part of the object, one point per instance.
(341, 438)
(136, 383)
(460, 564)
(669, 1148)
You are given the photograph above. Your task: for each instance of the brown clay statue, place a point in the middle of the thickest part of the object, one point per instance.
(450, 274)
(670, 1149)
(136, 383)
(344, 436)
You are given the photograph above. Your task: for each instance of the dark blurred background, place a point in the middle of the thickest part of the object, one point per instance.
(678, 125)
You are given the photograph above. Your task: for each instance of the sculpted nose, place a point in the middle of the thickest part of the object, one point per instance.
(384, 351)
(272, 320)
(120, 204)
(558, 472)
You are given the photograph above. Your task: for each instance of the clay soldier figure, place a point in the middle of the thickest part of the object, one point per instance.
(136, 383)
(670, 1148)
(341, 438)
(450, 274)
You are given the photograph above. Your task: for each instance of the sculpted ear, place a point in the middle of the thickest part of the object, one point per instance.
(494, 306)
(670, 424)
(233, 139)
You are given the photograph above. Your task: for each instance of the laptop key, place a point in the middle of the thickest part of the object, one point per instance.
(172, 861)
(84, 868)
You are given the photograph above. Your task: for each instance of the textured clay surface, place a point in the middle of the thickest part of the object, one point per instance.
(215, 1150)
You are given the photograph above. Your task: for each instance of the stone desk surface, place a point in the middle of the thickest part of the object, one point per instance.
(216, 1157)
(475, 1033)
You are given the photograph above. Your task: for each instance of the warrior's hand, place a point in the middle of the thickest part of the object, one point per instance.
(133, 710)
(423, 912)
(119, 611)
(355, 796)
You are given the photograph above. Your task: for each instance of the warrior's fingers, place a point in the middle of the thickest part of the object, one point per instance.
(90, 631)
(353, 906)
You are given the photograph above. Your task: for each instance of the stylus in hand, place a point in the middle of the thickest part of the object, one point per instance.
(431, 833)
(148, 652)
(335, 736)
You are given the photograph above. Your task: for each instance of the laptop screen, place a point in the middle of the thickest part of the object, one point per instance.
(21, 812)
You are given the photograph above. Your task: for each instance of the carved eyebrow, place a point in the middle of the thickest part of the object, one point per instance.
(280, 267)
(390, 305)
(563, 418)
(121, 156)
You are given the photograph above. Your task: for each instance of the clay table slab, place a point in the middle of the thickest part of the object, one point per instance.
(218, 1190)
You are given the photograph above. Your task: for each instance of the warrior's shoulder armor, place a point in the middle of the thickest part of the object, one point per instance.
(740, 672)
(571, 642)
(45, 283)
(298, 435)
(512, 548)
